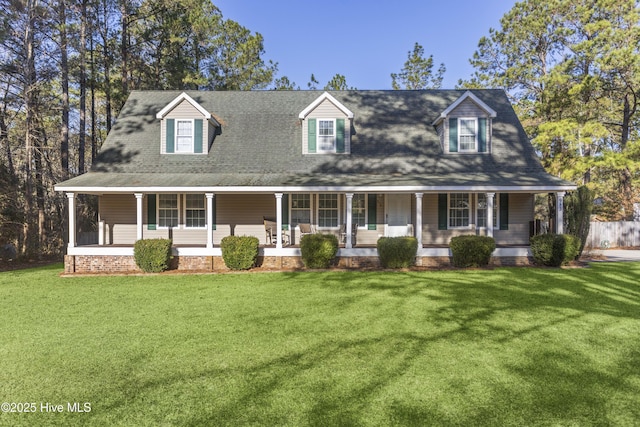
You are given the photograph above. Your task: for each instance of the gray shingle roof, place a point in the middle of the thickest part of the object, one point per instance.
(393, 144)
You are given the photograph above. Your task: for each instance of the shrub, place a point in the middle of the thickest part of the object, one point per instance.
(318, 250)
(471, 250)
(239, 252)
(397, 252)
(554, 250)
(152, 255)
(578, 207)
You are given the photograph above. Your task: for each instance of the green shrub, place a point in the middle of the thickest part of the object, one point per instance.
(318, 250)
(554, 250)
(471, 250)
(397, 252)
(239, 252)
(152, 255)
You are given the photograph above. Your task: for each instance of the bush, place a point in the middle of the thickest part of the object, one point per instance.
(152, 255)
(397, 252)
(318, 250)
(554, 250)
(239, 252)
(471, 250)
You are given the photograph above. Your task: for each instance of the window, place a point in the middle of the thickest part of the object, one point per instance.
(300, 209)
(328, 210)
(467, 134)
(184, 136)
(326, 135)
(194, 216)
(482, 211)
(458, 210)
(358, 210)
(168, 210)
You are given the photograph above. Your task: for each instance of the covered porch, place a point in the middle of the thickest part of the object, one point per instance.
(197, 222)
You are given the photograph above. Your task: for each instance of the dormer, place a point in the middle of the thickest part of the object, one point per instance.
(186, 127)
(466, 126)
(326, 126)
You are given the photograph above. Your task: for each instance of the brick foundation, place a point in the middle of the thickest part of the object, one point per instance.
(126, 264)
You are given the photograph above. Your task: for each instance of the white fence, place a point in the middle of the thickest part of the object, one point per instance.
(614, 234)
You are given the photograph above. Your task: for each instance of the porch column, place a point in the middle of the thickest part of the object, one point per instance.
(560, 212)
(209, 197)
(418, 227)
(72, 219)
(138, 215)
(490, 201)
(347, 228)
(278, 220)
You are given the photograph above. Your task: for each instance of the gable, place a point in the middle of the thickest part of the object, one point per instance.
(329, 111)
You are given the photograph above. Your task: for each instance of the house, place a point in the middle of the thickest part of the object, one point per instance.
(198, 166)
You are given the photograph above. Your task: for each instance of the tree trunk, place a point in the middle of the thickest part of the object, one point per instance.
(83, 87)
(64, 83)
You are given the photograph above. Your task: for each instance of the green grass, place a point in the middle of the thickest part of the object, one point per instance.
(510, 346)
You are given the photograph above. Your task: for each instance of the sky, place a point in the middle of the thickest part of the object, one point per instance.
(363, 40)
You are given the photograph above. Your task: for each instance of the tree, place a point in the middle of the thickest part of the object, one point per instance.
(417, 72)
(578, 207)
(283, 83)
(338, 82)
(572, 69)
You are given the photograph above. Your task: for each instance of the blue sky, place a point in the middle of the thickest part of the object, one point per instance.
(366, 41)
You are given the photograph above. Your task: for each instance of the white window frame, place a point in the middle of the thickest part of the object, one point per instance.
(450, 208)
(364, 225)
(319, 137)
(177, 209)
(292, 209)
(460, 135)
(496, 211)
(337, 209)
(192, 136)
(185, 208)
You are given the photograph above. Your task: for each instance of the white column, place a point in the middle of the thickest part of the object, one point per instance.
(490, 202)
(209, 197)
(138, 215)
(418, 227)
(278, 220)
(72, 219)
(560, 212)
(348, 244)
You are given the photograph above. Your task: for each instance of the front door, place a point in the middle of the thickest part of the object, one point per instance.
(398, 215)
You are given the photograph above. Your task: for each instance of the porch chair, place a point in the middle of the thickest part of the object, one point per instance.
(305, 229)
(271, 232)
(343, 233)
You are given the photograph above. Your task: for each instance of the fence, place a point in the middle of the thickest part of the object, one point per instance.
(614, 234)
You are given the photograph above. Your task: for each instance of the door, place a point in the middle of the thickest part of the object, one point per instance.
(398, 215)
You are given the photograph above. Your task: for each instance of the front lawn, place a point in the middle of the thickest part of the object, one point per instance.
(510, 346)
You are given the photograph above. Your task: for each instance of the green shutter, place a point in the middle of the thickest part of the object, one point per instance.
(171, 135)
(197, 136)
(339, 135)
(442, 211)
(453, 135)
(311, 143)
(213, 214)
(504, 211)
(372, 215)
(285, 211)
(151, 212)
(482, 135)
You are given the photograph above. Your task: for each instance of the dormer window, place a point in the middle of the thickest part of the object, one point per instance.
(466, 125)
(326, 126)
(326, 135)
(467, 135)
(184, 136)
(186, 127)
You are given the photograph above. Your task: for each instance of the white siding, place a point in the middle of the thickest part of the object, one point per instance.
(184, 110)
(118, 211)
(326, 110)
(469, 109)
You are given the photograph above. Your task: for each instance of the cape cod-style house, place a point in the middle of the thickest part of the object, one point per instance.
(198, 166)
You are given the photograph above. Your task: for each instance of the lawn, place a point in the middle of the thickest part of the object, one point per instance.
(509, 346)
